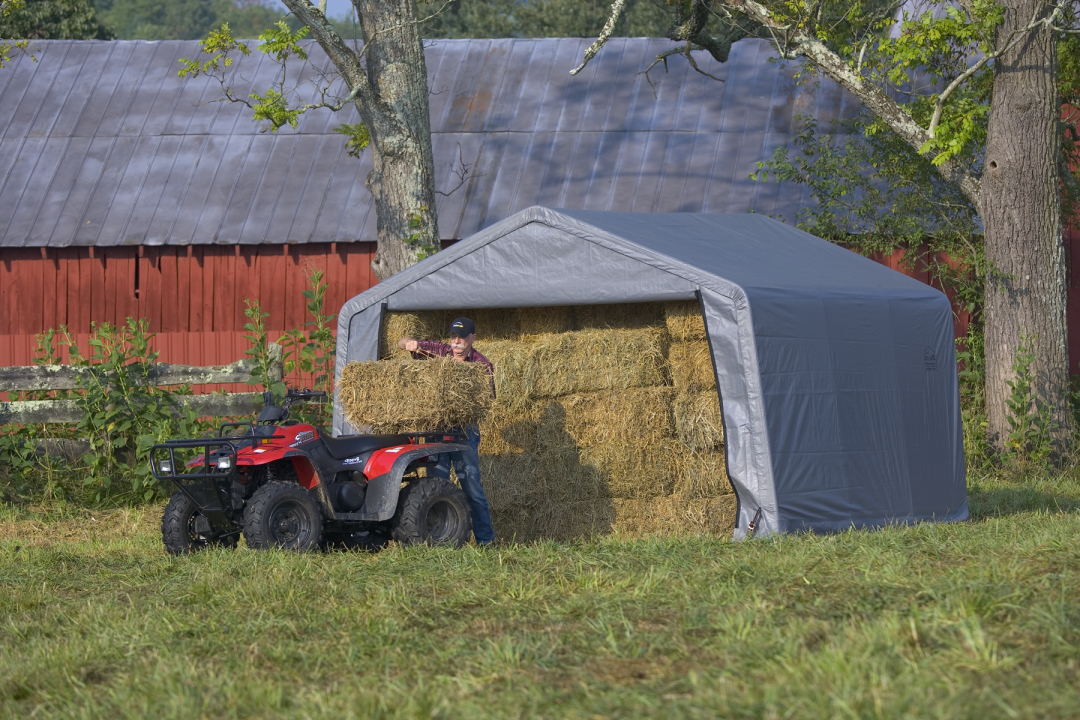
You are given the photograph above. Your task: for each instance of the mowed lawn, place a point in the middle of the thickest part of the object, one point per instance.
(974, 620)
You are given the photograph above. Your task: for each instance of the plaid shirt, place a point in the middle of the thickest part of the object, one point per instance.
(434, 348)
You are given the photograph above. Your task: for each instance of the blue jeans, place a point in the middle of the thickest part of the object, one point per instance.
(468, 475)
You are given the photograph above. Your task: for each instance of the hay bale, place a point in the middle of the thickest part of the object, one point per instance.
(565, 495)
(636, 416)
(691, 367)
(492, 323)
(391, 396)
(617, 444)
(684, 320)
(698, 422)
(544, 320)
(701, 475)
(675, 516)
(634, 471)
(626, 316)
(582, 361)
(563, 523)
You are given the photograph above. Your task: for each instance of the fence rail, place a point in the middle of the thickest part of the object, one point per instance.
(65, 377)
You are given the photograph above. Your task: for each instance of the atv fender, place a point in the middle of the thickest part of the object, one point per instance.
(319, 488)
(380, 503)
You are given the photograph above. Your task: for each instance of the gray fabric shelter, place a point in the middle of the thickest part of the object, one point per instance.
(837, 376)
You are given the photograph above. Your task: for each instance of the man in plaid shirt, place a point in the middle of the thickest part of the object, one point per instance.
(460, 347)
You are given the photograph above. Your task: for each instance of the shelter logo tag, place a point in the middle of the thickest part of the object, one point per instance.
(929, 359)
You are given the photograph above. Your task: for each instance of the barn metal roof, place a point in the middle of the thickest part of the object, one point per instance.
(103, 144)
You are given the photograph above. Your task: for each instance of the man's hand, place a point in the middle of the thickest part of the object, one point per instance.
(407, 343)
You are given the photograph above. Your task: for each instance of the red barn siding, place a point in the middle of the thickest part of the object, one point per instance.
(193, 296)
(178, 289)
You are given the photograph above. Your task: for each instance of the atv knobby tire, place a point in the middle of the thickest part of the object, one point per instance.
(179, 529)
(432, 511)
(283, 515)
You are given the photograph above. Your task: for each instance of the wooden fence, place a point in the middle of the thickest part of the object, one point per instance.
(37, 378)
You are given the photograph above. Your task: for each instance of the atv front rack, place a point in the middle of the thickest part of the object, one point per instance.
(208, 486)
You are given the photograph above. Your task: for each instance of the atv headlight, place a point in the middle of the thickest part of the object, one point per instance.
(224, 463)
(165, 467)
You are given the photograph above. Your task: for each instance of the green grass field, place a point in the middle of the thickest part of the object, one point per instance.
(974, 620)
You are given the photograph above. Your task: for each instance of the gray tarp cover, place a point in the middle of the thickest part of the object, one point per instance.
(837, 376)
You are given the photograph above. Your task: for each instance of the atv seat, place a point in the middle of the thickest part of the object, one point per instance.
(352, 445)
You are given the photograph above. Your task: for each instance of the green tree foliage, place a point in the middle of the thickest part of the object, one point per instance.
(9, 47)
(185, 19)
(51, 20)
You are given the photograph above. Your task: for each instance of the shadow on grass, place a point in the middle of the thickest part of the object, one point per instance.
(995, 502)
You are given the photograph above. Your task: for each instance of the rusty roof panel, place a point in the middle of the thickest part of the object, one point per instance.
(103, 144)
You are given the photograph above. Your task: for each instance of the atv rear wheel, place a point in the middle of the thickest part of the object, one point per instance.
(185, 530)
(432, 511)
(283, 515)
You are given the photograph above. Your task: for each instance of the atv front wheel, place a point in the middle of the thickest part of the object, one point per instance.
(284, 515)
(185, 530)
(433, 511)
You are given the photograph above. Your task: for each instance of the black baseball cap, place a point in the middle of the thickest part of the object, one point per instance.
(462, 327)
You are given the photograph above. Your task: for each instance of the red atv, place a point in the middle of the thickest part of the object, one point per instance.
(291, 485)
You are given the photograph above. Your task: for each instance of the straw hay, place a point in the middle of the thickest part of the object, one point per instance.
(617, 444)
(701, 475)
(575, 362)
(698, 423)
(684, 320)
(575, 520)
(414, 395)
(543, 320)
(491, 323)
(607, 419)
(675, 516)
(691, 367)
(625, 316)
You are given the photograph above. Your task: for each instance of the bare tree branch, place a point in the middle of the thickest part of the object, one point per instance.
(343, 57)
(609, 27)
(464, 174)
(662, 58)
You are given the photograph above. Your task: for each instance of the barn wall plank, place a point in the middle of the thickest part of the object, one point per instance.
(196, 278)
(170, 290)
(49, 277)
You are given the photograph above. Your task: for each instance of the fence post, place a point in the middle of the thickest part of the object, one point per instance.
(277, 364)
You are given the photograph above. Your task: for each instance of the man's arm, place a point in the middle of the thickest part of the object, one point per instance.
(424, 348)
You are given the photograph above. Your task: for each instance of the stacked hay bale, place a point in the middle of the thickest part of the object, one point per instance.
(607, 419)
(409, 396)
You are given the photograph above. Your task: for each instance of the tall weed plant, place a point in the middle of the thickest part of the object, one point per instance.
(123, 414)
(104, 455)
(308, 353)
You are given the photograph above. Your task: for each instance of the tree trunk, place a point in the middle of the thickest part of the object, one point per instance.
(399, 122)
(1021, 212)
